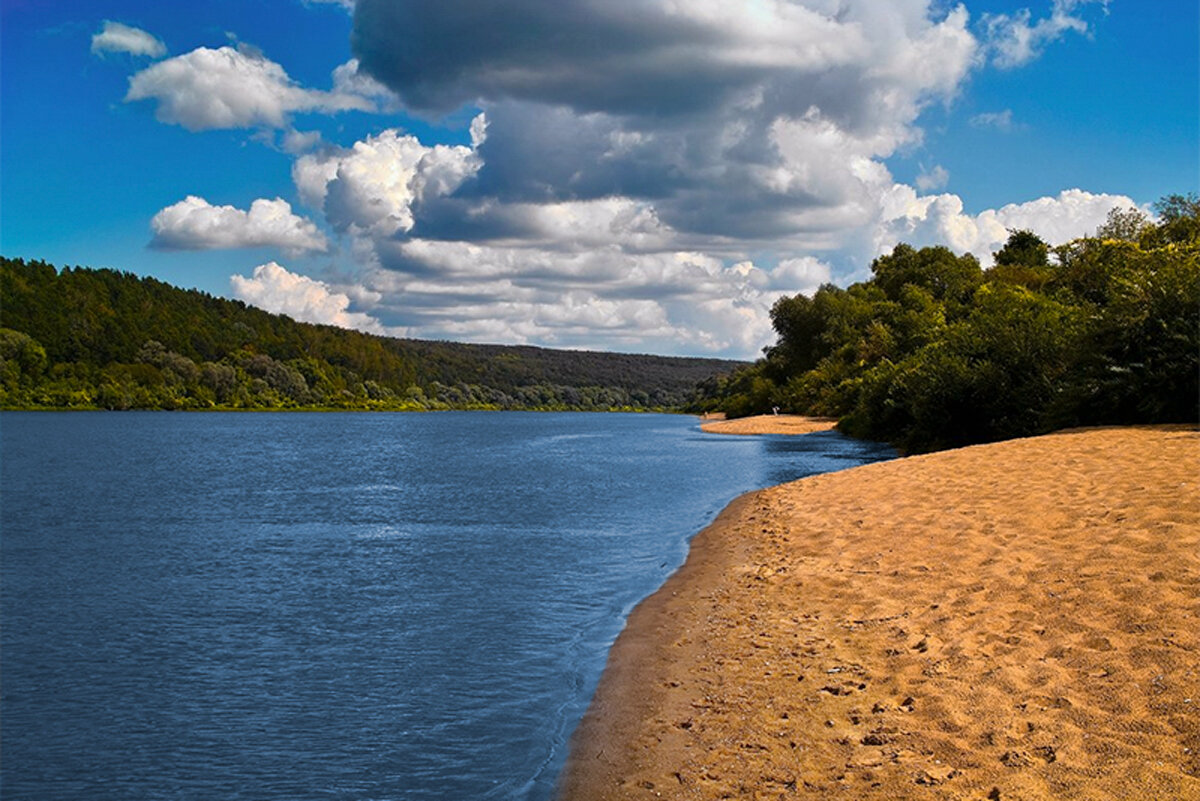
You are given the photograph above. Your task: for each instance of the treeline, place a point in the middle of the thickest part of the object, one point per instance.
(934, 352)
(80, 338)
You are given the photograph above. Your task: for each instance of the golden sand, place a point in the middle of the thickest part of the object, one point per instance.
(769, 424)
(1010, 621)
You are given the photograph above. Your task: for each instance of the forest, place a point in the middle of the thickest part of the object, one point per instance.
(80, 338)
(934, 352)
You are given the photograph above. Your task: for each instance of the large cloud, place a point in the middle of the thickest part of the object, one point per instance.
(737, 122)
(655, 57)
(645, 174)
(234, 88)
(195, 224)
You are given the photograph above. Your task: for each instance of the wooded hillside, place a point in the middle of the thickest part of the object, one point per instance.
(84, 338)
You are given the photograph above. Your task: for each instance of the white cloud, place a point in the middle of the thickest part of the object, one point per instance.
(275, 289)
(939, 219)
(934, 178)
(668, 302)
(115, 37)
(652, 56)
(1071, 214)
(371, 188)
(478, 130)
(194, 224)
(297, 142)
(1000, 120)
(348, 81)
(1013, 41)
(231, 88)
(805, 275)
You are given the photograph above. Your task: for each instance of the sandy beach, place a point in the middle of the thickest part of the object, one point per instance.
(769, 424)
(1011, 621)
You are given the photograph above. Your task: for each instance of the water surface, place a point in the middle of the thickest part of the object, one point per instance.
(335, 606)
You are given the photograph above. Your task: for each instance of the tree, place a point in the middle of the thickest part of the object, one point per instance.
(937, 269)
(21, 354)
(1125, 224)
(800, 324)
(1024, 248)
(1179, 219)
(1142, 362)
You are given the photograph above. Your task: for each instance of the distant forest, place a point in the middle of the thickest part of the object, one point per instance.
(934, 352)
(81, 338)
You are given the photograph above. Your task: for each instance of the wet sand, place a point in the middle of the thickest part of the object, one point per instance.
(1010, 621)
(769, 424)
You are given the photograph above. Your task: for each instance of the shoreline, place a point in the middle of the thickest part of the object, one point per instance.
(1015, 620)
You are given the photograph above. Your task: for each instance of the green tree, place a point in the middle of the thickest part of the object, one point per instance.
(1142, 363)
(946, 276)
(1023, 248)
(991, 377)
(1178, 222)
(22, 358)
(1125, 224)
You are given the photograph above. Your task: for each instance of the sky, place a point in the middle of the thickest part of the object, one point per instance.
(626, 175)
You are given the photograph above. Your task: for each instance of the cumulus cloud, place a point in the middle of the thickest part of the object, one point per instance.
(371, 189)
(648, 175)
(275, 289)
(655, 57)
(940, 219)
(297, 142)
(348, 81)
(1013, 40)
(804, 275)
(733, 122)
(651, 174)
(115, 37)
(605, 297)
(933, 178)
(232, 88)
(194, 224)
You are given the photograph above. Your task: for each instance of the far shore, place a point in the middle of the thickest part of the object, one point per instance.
(1017, 620)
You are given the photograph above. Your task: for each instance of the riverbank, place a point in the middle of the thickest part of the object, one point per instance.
(1009, 621)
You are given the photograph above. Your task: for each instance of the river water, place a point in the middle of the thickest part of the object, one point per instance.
(336, 606)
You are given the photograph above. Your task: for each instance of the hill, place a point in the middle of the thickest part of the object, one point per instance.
(87, 338)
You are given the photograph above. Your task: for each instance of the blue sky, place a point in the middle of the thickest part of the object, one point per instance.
(617, 176)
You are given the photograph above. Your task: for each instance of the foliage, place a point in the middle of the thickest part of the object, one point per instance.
(82, 338)
(933, 352)
(1125, 224)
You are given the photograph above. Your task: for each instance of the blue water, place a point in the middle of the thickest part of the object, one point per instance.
(335, 606)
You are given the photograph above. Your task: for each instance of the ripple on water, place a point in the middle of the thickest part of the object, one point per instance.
(335, 606)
